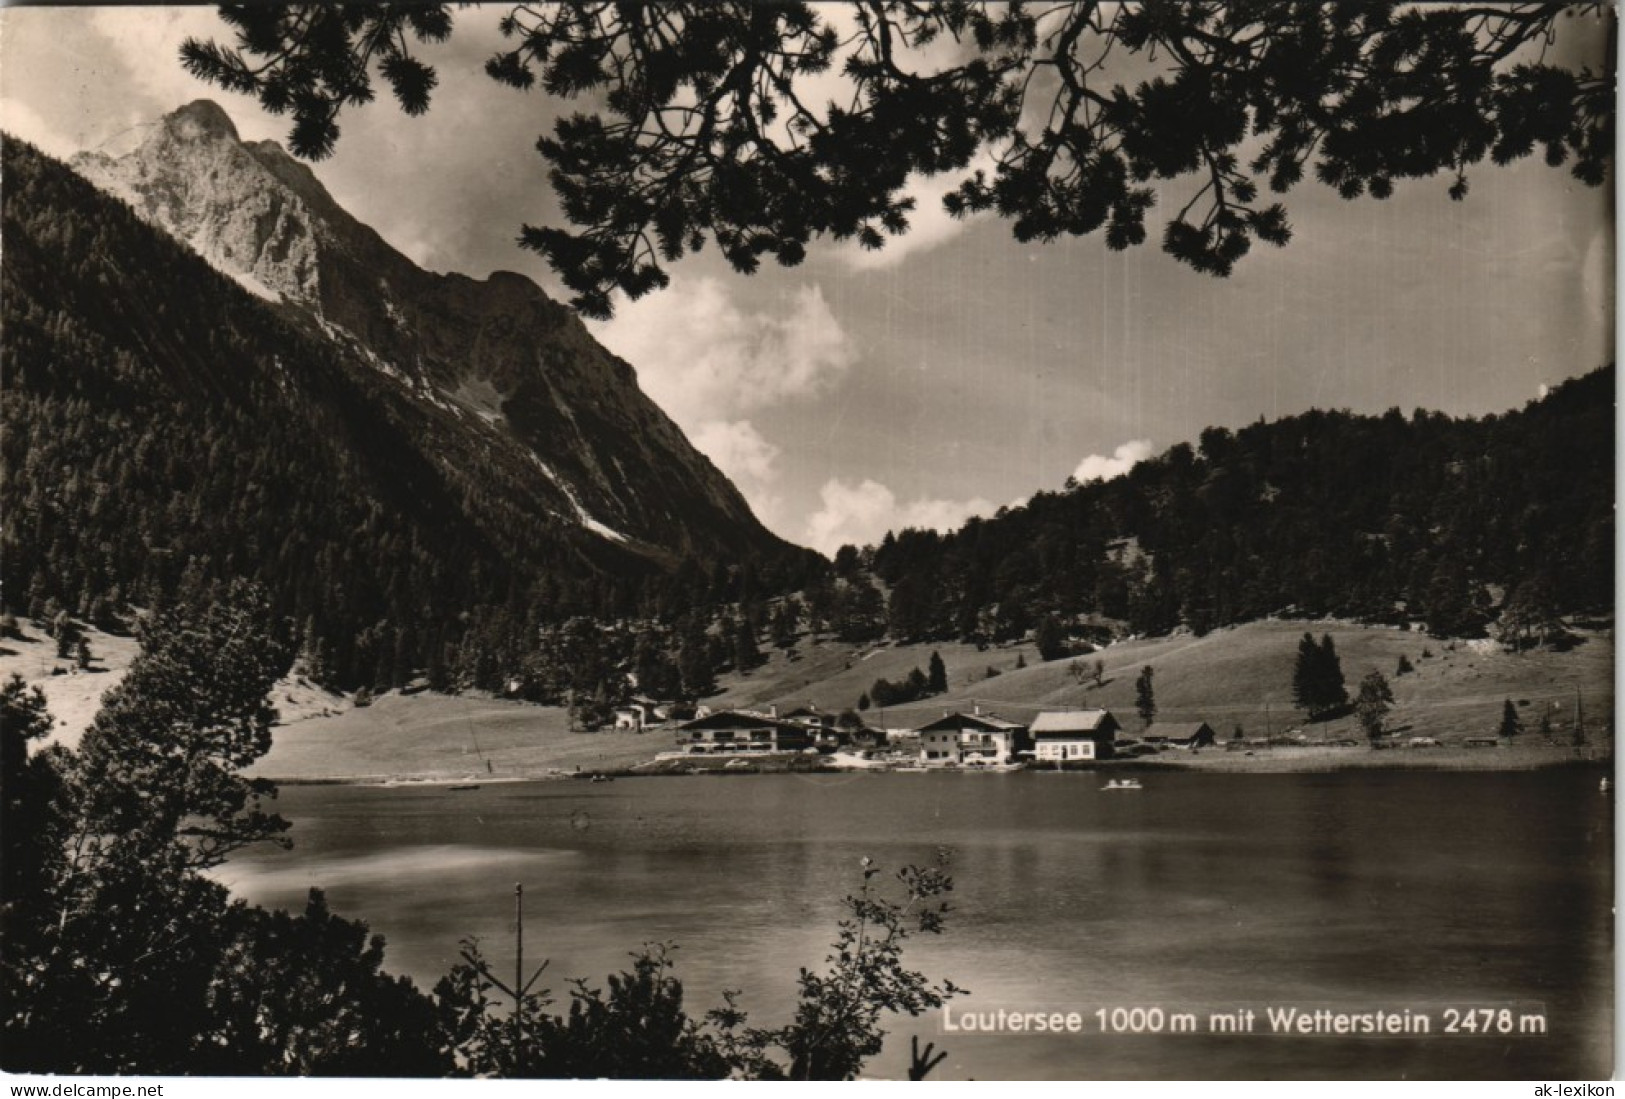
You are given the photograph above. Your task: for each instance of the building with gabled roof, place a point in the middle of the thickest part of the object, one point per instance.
(811, 716)
(1062, 735)
(742, 731)
(1187, 734)
(638, 713)
(976, 739)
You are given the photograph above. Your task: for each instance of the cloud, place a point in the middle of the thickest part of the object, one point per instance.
(707, 361)
(146, 41)
(22, 121)
(702, 358)
(93, 78)
(861, 514)
(738, 449)
(1097, 467)
(149, 43)
(748, 459)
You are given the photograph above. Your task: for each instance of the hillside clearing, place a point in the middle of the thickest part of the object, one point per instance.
(430, 736)
(1237, 676)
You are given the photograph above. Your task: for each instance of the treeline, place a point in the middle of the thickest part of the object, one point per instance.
(591, 663)
(1386, 518)
(165, 433)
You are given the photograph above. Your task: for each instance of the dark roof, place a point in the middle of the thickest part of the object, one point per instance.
(987, 723)
(1177, 730)
(739, 719)
(1073, 723)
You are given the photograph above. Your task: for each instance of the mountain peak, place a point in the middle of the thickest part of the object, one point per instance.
(249, 208)
(495, 364)
(202, 118)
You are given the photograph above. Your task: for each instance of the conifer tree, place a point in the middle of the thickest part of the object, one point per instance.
(785, 622)
(694, 664)
(1529, 617)
(1372, 705)
(1305, 675)
(67, 635)
(197, 693)
(1511, 725)
(313, 660)
(1050, 638)
(29, 824)
(1317, 678)
(745, 653)
(1145, 698)
(121, 957)
(1333, 692)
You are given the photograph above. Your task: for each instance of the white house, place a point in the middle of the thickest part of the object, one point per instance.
(970, 740)
(1074, 735)
(732, 731)
(640, 713)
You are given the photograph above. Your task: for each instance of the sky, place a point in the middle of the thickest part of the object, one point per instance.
(957, 371)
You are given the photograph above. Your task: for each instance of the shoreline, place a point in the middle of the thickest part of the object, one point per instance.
(1281, 761)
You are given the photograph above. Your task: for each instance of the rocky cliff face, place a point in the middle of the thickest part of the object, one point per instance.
(193, 178)
(495, 361)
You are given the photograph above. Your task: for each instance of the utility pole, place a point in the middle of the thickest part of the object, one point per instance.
(518, 956)
(520, 987)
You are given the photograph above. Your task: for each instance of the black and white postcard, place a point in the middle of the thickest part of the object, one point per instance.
(841, 541)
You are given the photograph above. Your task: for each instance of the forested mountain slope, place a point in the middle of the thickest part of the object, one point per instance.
(1392, 518)
(165, 429)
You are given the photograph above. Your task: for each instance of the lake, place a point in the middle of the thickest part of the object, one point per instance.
(1202, 896)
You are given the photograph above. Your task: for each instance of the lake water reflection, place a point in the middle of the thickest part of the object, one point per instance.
(1353, 892)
